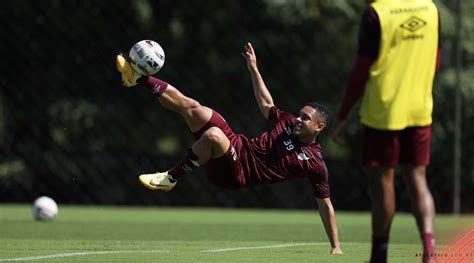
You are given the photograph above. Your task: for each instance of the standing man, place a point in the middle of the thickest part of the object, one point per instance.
(290, 150)
(397, 59)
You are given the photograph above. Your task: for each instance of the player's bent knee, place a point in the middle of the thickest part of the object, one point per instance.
(214, 135)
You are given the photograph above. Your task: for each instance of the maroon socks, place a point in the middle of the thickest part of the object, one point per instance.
(428, 242)
(185, 165)
(156, 86)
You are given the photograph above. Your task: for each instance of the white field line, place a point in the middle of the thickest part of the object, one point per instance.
(217, 250)
(263, 247)
(74, 254)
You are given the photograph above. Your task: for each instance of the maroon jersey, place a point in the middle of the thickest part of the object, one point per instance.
(275, 156)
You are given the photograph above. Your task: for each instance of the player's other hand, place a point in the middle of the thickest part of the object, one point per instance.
(337, 133)
(336, 251)
(250, 57)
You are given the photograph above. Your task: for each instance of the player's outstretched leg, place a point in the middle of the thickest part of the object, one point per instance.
(193, 112)
(195, 115)
(383, 211)
(212, 144)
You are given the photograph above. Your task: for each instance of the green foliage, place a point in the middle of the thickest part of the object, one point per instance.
(75, 131)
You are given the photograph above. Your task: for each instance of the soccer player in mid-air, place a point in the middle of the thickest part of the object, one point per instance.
(291, 149)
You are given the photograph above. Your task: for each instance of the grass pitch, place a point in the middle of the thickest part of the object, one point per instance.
(125, 234)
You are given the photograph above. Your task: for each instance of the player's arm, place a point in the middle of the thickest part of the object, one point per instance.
(262, 95)
(328, 217)
(368, 49)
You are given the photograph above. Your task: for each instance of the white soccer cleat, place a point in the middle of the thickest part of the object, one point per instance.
(158, 181)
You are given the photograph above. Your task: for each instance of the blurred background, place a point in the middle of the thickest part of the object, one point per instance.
(69, 130)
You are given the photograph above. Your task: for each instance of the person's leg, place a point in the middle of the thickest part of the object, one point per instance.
(381, 151)
(415, 155)
(192, 111)
(383, 210)
(423, 207)
(212, 144)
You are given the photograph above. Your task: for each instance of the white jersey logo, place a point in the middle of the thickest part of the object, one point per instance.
(233, 153)
(303, 156)
(156, 89)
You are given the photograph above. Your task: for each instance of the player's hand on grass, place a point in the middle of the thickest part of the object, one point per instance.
(338, 131)
(336, 251)
(250, 57)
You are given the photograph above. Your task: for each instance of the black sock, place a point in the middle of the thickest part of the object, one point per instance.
(379, 249)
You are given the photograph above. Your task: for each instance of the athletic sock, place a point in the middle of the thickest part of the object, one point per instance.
(428, 241)
(185, 165)
(156, 86)
(379, 250)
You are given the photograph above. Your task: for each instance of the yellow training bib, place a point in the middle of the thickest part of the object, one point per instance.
(398, 93)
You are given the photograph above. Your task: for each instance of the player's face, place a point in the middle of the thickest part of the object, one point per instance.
(308, 124)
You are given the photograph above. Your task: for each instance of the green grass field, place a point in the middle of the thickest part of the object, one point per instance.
(124, 234)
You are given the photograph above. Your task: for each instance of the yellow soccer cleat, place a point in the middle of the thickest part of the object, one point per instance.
(129, 76)
(158, 181)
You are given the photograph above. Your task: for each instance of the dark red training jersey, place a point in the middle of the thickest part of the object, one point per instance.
(278, 156)
(275, 156)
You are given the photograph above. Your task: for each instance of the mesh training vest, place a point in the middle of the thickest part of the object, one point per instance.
(398, 93)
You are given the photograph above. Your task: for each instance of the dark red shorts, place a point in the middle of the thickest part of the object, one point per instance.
(383, 148)
(225, 171)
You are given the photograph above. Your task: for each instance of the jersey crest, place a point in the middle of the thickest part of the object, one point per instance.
(304, 156)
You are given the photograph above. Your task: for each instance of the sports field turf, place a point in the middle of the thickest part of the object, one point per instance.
(156, 234)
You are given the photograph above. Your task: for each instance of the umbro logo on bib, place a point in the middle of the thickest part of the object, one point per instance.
(413, 24)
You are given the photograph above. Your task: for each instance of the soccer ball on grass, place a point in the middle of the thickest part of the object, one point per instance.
(44, 209)
(146, 57)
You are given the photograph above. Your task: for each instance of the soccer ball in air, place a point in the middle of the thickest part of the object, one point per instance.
(44, 208)
(147, 57)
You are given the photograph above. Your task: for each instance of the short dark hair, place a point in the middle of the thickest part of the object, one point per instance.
(320, 110)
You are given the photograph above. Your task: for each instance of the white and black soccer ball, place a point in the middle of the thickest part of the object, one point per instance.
(147, 57)
(44, 209)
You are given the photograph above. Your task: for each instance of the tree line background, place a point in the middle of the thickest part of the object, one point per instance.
(70, 131)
